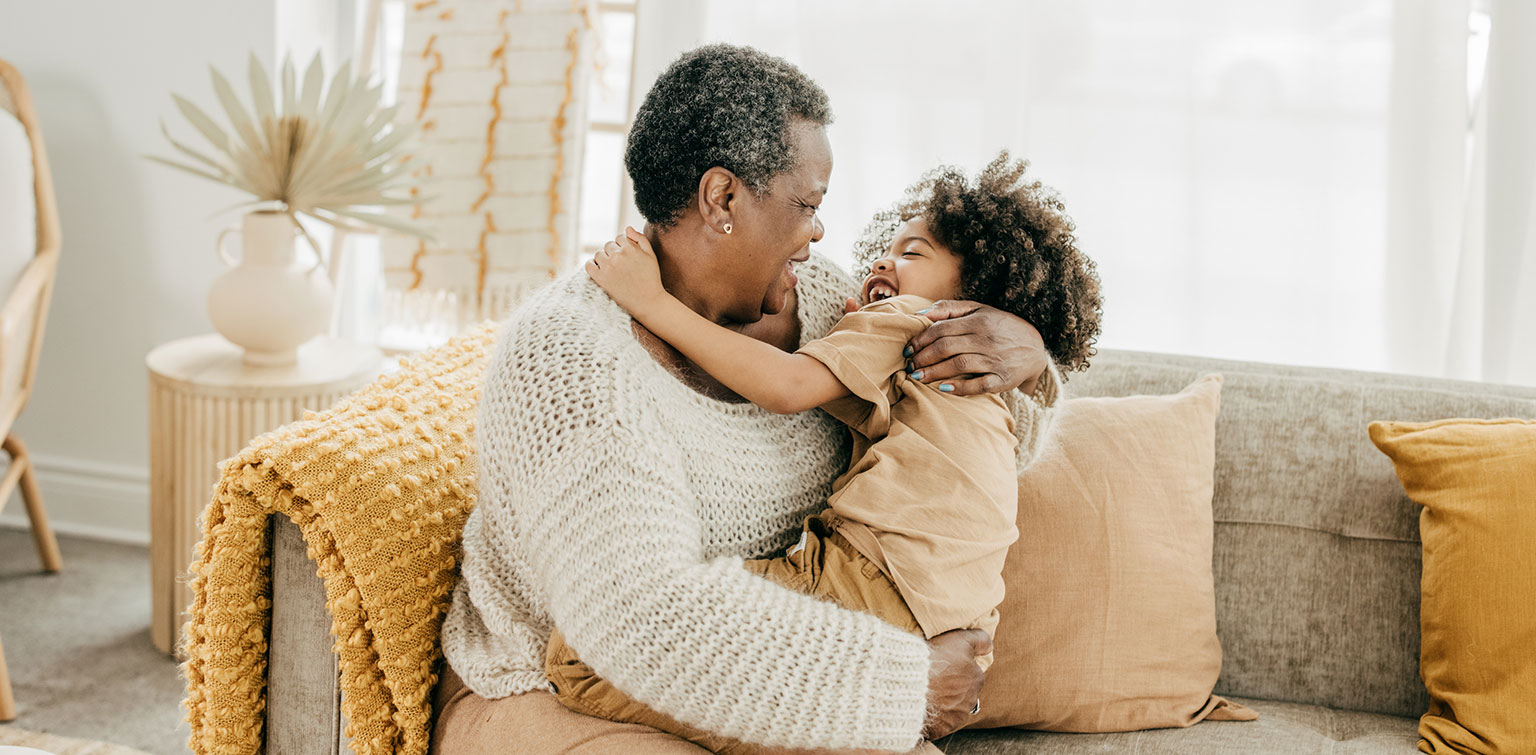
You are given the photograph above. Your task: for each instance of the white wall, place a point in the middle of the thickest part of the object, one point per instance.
(137, 238)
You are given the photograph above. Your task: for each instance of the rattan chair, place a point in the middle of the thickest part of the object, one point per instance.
(26, 276)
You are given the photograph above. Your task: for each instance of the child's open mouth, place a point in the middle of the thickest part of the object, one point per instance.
(877, 289)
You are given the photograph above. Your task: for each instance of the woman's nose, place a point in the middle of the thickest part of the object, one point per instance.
(817, 230)
(883, 264)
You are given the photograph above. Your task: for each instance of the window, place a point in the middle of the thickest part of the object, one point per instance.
(604, 185)
(1226, 165)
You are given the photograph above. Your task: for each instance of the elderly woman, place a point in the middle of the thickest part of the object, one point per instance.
(621, 486)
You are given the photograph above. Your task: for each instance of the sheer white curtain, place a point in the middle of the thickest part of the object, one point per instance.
(1491, 332)
(1231, 166)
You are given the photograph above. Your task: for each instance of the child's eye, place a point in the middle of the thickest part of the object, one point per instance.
(910, 254)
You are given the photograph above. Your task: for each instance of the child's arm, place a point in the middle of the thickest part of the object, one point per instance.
(777, 381)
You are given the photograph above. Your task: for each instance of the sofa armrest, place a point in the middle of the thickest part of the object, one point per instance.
(303, 681)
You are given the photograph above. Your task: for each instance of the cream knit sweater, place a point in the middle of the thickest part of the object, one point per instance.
(617, 503)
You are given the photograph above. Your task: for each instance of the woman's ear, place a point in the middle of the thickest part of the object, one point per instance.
(718, 190)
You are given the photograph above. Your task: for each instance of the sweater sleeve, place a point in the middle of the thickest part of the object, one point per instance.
(610, 539)
(1033, 414)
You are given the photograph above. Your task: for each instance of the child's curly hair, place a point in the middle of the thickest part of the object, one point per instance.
(1016, 249)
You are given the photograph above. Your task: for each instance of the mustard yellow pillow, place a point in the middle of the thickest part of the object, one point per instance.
(1476, 480)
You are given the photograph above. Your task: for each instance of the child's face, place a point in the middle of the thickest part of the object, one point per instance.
(914, 264)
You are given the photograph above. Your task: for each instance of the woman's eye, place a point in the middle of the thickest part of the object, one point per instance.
(910, 254)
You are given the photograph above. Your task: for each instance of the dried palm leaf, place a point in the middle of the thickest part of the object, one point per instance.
(326, 152)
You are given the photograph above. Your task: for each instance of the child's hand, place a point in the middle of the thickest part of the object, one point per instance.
(627, 269)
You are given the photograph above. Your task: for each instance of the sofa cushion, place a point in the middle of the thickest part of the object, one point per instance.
(1109, 622)
(1282, 728)
(1316, 552)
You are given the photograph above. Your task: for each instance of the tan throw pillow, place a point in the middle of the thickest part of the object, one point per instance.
(1476, 480)
(1109, 622)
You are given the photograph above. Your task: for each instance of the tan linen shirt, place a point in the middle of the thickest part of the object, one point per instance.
(931, 494)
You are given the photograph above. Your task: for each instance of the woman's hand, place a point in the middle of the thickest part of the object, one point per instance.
(954, 680)
(978, 349)
(627, 269)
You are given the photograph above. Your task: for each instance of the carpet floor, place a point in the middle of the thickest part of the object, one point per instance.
(57, 745)
(78, 649)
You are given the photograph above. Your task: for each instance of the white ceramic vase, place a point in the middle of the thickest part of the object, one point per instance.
(269, 302)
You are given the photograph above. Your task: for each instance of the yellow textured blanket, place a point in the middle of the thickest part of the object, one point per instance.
(380, 485)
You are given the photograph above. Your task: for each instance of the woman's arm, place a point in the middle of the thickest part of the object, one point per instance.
(780, 382)
(979, 349)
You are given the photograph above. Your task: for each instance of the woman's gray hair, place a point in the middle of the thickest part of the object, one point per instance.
(717, 106)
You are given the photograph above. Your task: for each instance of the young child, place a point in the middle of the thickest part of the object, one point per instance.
(916, 530)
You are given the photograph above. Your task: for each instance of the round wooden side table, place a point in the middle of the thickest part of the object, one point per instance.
(205, 405)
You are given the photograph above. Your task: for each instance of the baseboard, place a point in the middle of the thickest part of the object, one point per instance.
(89, 499)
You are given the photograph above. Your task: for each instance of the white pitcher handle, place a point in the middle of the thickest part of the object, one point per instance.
(309, 241)
(223, 250)
(319, 258)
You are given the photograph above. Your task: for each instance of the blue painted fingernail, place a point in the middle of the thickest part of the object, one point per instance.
(924, 311)
(907, 352)
(946, 387)
(917, 375)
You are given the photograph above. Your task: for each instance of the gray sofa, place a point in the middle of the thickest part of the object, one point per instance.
(1316, 565)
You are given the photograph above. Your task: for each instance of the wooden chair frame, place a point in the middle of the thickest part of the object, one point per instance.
(28, 301)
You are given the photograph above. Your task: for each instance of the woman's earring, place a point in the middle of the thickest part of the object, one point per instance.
(727, 229)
